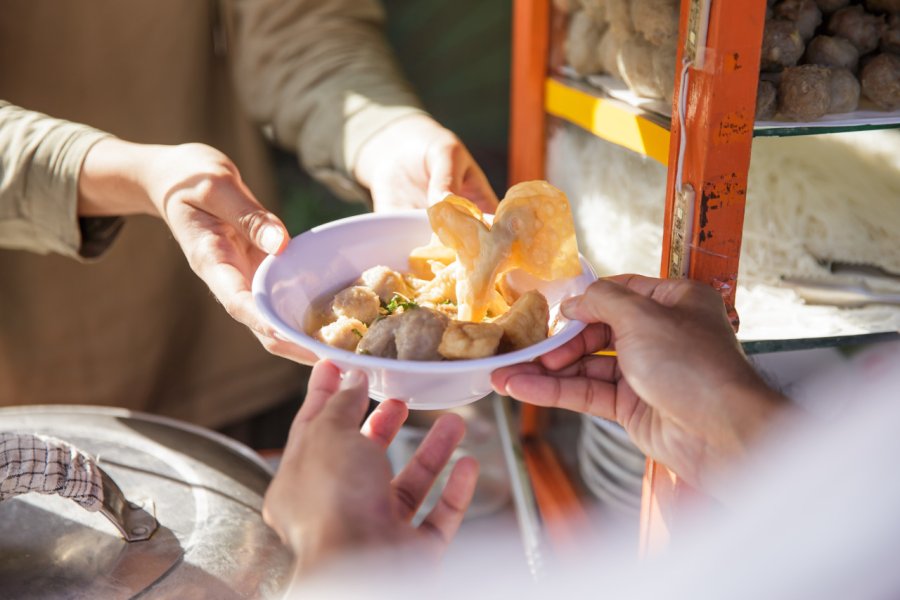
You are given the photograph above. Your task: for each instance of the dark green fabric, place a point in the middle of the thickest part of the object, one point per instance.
(457, 55)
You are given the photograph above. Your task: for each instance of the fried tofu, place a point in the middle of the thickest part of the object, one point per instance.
(525, 323)
(464, 340)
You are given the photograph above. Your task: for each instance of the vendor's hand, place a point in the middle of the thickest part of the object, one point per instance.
(222, 229)
(415, 162)
(680, 384)
(333, 493)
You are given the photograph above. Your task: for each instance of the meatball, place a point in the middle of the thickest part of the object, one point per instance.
(885, 6)
(344, 333)
(766, 100)
(880, 81)
(419, 334)
(782, 45)
(385, 282)
(830, 51)
(635, 60)
(804, 92)
(656, 20)
(356, 302)
(843, 91)
(525, 323)
(861, 28)
(890, 39)
(803, 13)
(379, 339)
(582, 43)
(829, 6)
(464, 340)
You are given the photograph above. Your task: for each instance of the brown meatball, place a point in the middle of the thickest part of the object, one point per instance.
(463, 340)
(880, 81)
(419, 334)
(890, 39)
(861, 28)
(830, 51)
(885, 6)
(804, 92)
(635, 60)
(829, 6)
(379, 339)
(356, 302)
(525, 323)
(656, 20)
(843, 90)
(782, 45)
(766, 100)
(582, 43)
(803, 13)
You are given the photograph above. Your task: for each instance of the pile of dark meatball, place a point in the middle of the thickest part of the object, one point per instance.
(820, 56)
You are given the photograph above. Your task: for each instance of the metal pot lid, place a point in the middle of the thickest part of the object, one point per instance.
(205, 490)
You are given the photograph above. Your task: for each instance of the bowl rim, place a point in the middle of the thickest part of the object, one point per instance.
(323, 351)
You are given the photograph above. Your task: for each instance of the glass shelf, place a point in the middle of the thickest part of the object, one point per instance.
(647, 132)
(765, 346)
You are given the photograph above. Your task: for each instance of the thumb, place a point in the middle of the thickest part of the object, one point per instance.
(609, 302)
(264, 230)
(234, 203)
(348, 406)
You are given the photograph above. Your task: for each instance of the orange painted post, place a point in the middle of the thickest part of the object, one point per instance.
(705, 230)
(530, 56)
(528, 121)
(564, 518)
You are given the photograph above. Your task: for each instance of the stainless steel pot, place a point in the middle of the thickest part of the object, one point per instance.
(200, 490)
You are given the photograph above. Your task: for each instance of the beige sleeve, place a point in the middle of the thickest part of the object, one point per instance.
(321, 77)
(40, 160)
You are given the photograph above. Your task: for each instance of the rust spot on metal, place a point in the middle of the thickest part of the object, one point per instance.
(733, 62)
(734, 127)
(704, 208)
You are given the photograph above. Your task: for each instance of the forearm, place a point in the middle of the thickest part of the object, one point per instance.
(40, 161)
(321, 76)
(110, 182)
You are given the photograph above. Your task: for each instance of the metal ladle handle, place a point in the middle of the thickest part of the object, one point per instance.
(46, 465)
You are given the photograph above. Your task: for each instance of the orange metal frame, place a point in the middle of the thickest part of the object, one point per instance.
(719, 116)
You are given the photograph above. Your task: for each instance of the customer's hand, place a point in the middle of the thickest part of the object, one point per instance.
(415, 162)
(680, 384)
(222, 229)
(333, 493)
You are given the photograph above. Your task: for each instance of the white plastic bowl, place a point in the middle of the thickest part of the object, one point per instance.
(331, 256)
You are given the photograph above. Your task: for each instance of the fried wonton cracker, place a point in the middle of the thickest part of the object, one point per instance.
(533, 230)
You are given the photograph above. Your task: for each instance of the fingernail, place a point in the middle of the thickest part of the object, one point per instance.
(271, 239)
(569, 305)
(353, 379)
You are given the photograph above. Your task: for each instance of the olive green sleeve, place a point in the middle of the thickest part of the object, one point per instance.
(320, 76)
(40, 161)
